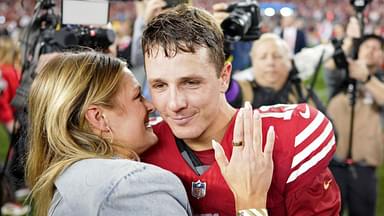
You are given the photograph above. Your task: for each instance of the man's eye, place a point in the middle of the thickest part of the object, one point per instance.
(192, 82)
(277, 56)
(158, 86)
(262, 57)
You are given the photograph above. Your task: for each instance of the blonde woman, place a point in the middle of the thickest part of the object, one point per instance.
(88, 123)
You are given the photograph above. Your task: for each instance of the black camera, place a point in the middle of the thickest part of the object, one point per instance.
(359, 5)
(85, 36)
(339, 56)
(243, 22)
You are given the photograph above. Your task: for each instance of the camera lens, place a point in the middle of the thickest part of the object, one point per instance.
(237, 24)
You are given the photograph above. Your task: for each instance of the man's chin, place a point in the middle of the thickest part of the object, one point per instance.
(185, 133)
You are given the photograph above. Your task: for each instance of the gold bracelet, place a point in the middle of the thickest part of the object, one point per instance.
(253, 212)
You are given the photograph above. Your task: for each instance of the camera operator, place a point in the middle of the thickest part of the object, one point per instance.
(360, 146)
(273, 77)
(46, 34)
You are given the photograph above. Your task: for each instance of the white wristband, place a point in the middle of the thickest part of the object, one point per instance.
(253, 212)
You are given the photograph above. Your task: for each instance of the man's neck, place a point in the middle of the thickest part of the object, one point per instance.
(215, 131)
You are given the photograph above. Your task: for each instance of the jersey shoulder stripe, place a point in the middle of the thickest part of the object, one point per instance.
(313, 143)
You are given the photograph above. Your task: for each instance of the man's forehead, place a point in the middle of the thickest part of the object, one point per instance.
(372, 41)
(160, 59)
(172, 50)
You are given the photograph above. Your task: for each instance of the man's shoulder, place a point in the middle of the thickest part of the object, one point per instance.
(295, 122)
(288, 113)
(302, 132)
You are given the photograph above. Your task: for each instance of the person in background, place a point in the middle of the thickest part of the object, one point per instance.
(275, 76)
(294, 36)
(274, 80)
(88, 124)
(10, 73)
(123, 39)
(188, 78)
(355, 164)
(145, 10)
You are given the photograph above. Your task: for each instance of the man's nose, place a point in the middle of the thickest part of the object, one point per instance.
(177, 100)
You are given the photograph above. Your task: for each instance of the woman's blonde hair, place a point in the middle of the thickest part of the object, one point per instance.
(59, 134)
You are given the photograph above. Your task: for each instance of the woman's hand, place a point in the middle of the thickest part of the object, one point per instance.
(249, 171)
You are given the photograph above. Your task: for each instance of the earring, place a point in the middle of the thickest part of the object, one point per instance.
(110, 131)
(108, 128)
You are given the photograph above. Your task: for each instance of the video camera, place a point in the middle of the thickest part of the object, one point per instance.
(243, 22)
(85, 36)
(79, 26)
(339, 56)
(359, 5)
(48, 32)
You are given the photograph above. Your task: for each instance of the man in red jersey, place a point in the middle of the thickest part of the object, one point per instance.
(188, 78)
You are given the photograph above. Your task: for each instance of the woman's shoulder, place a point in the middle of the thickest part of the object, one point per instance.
(98, 172)
(99, 179)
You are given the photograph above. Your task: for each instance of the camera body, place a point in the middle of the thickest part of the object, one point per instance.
(359, 5)
(243, 22)
(339, 56)
(85, 36)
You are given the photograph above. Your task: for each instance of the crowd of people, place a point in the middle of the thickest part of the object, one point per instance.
(167, 121)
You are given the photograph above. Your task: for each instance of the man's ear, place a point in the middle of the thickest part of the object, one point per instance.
(95, 118)
(225, 77)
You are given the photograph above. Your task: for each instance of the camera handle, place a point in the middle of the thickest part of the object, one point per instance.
(352, 101)
(359, 6)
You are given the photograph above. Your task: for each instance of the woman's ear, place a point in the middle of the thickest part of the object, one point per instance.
(225, 77)
(94, 116)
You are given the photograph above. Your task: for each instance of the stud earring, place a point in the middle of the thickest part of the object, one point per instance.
(110, 131)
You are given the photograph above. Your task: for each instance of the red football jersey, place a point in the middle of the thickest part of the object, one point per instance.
(301, 183)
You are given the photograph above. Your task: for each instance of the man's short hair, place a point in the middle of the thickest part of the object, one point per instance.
(371, 36)
(185, 29)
